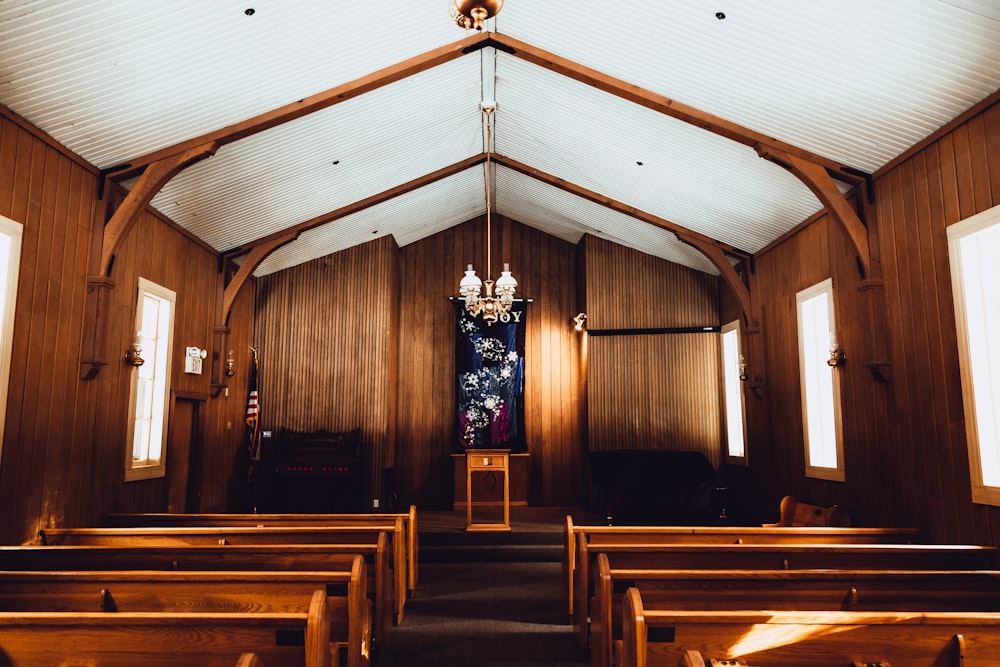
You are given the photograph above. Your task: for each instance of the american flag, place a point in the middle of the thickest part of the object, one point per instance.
(253, 409)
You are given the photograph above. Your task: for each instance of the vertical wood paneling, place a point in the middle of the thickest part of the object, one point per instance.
(650, 392)
(905, 449)
(64, 439)
(325, 332)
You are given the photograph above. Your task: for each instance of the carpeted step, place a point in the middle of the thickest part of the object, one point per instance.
(491, 546)
(491, 553)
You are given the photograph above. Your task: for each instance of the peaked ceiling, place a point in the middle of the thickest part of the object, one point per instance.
(586, 133)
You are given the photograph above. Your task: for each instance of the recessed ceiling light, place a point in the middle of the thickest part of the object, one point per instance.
(720, 15)
(250, 11)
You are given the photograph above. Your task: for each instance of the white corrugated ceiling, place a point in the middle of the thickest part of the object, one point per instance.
(851, 81)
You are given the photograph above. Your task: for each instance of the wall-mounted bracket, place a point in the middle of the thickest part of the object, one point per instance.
(92, 359)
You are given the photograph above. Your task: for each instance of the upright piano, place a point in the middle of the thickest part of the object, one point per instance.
(316, 472)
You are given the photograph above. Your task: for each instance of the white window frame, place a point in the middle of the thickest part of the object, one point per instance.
(822, 428)
(977, 318)
(12, 233)
(733, 404)
(150, 422)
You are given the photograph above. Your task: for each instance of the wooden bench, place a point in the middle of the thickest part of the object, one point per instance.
(409, 536)
(260, 557)
(776, 638)
(162, 639)
(770, 557)
(847, 590)
(610, 535)
(245, 535)
(348, 607)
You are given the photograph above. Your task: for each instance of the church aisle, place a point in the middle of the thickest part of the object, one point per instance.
(485, 614)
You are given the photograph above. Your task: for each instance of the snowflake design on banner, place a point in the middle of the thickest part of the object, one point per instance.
(490, 382)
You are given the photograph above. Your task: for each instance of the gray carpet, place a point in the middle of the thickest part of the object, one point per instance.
(485, 614)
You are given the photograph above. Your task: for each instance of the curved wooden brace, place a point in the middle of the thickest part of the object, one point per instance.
(228, 297)
(817, 179)
(739, 289)
(150, 182)
(253, 260)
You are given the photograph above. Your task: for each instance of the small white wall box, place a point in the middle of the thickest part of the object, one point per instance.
(193, 359)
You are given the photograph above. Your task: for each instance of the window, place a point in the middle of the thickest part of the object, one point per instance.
(732, 388)
(10, 262)
(146, 456)
(820, 386)
(974, 245)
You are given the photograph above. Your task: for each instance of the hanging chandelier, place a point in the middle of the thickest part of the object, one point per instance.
(472, 13)
(499, 297)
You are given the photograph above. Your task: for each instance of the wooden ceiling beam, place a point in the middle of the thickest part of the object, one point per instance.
(616, 205)
(714, 250)
(311, 104)
(665, 105)
(360, 205)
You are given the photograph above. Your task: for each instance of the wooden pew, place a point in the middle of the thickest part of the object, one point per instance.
(259, 557)
(770, 557)
(408, 537)
(162, 639)
(611, 535)
(249, 660)
(847, 590)
(775, 638)
(348, 607)
(244, 535)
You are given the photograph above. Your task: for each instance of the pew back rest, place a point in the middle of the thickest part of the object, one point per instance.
(260, 557)
(407, 525)
(808, 638)
(855, 590)
(246, 535)
(166, 638)
(347, 606)
(610, 535)
(770, 556)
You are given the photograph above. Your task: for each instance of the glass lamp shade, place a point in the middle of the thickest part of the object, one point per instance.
(506, 285)
(470, 286)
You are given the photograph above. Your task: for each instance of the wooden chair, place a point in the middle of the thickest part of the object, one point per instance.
(792, 512)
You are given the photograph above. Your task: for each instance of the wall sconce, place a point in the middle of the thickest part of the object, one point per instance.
(743, 369)
(133, 354)
(230, 363)
(579, 320)
(837, 356)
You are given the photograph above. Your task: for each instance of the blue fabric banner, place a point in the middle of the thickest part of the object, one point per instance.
(489, 363)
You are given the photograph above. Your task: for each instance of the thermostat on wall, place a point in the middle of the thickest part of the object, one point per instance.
(193, 359)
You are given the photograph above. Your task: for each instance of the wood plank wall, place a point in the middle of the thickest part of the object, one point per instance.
(655, 392)
(905, 447)
(326, 333)
(64, 440)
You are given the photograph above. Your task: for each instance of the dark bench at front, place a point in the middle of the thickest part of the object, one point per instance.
(656, 488)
